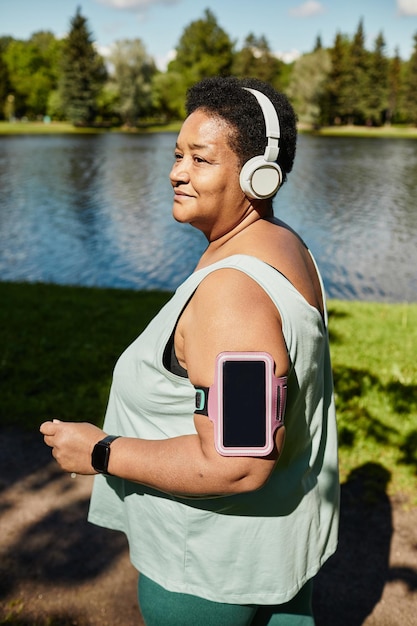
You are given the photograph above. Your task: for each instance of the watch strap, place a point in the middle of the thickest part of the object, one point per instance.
(99, 462)
(109, 439)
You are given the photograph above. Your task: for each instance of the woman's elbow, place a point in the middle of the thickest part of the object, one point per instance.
(252, 481)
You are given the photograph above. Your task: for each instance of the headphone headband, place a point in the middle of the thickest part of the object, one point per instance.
(261, 176)
(271, 124)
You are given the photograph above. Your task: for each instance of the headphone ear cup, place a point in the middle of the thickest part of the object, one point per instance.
(259, 178)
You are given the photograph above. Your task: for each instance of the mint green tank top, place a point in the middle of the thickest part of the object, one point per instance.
(253, 548)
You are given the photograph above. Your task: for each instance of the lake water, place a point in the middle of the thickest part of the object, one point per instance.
(96, 211)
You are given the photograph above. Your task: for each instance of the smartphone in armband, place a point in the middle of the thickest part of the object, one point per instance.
(246, 403)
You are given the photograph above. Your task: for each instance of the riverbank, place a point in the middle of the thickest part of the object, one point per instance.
(65, 128)
(51, 128)
(382, 132)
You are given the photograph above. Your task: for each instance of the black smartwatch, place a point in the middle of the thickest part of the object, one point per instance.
(101, 454)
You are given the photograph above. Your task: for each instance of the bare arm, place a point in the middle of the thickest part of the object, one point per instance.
(228, 312)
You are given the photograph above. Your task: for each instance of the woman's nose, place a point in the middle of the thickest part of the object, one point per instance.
(179, 172)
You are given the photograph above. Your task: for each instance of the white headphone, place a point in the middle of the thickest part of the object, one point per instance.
(261, 177)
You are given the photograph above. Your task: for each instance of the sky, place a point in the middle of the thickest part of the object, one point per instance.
(291, 27)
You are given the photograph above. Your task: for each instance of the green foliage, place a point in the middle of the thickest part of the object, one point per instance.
(168, 90)
(344, 84)
(256, 60)
(411, 85)
(395, 90)
(33, 68)
(318, 45)
(377, 77)
(307, 84)
(354, 104)
(55, 107)
(204, 50)
(5, 84)
(362, 87)
(132, 76)
(82, 73)
(108, 105)
(348, 87)
(336, 83)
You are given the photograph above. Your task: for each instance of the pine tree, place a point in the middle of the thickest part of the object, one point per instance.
(378, 79)
(355, 98)
(83, 73)
(411, 86)
(336, 84)
(318, 45)
(394, 88)
(255, 59)
(5, 85)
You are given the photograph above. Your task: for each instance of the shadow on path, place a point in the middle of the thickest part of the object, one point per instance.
(55, 568)
(351, 583)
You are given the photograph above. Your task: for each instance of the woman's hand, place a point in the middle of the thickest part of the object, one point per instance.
(72, 444)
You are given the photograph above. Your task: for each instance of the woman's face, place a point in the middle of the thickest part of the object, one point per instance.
(205, 177)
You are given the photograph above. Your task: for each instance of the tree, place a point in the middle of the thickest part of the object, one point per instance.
(378, 79)
(83, 73)
(55, 109)
(411, 86)
(354, 100)
(132, 78)
(22, 64)
(255, 59)
(204, 50)
(33, 70)
(5, 84)
(168, 91)
(394, 88)
(307, 85)
(336, 84)
(346, 96)
(318, 45)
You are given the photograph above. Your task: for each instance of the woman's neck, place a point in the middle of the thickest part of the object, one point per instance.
(233, 241)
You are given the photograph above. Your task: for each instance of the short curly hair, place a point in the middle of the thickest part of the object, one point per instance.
(226, 98)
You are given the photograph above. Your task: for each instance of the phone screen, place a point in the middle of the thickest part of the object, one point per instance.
(244, 404)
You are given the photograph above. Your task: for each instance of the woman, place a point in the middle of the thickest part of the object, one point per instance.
(220, 538)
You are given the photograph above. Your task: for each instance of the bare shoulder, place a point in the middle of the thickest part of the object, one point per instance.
(282, 248)
(230, 297)
(229, 312)
(232, 287)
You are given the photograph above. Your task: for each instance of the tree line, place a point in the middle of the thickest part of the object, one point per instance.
(68, 79)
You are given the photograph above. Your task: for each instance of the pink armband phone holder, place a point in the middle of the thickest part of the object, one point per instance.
(246, 403)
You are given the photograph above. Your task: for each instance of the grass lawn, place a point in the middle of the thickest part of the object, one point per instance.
(39, 128)
(385, 132)
(375, 371)
(58, 347)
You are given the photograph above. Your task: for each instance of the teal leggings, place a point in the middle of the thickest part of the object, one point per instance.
(160, 607)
